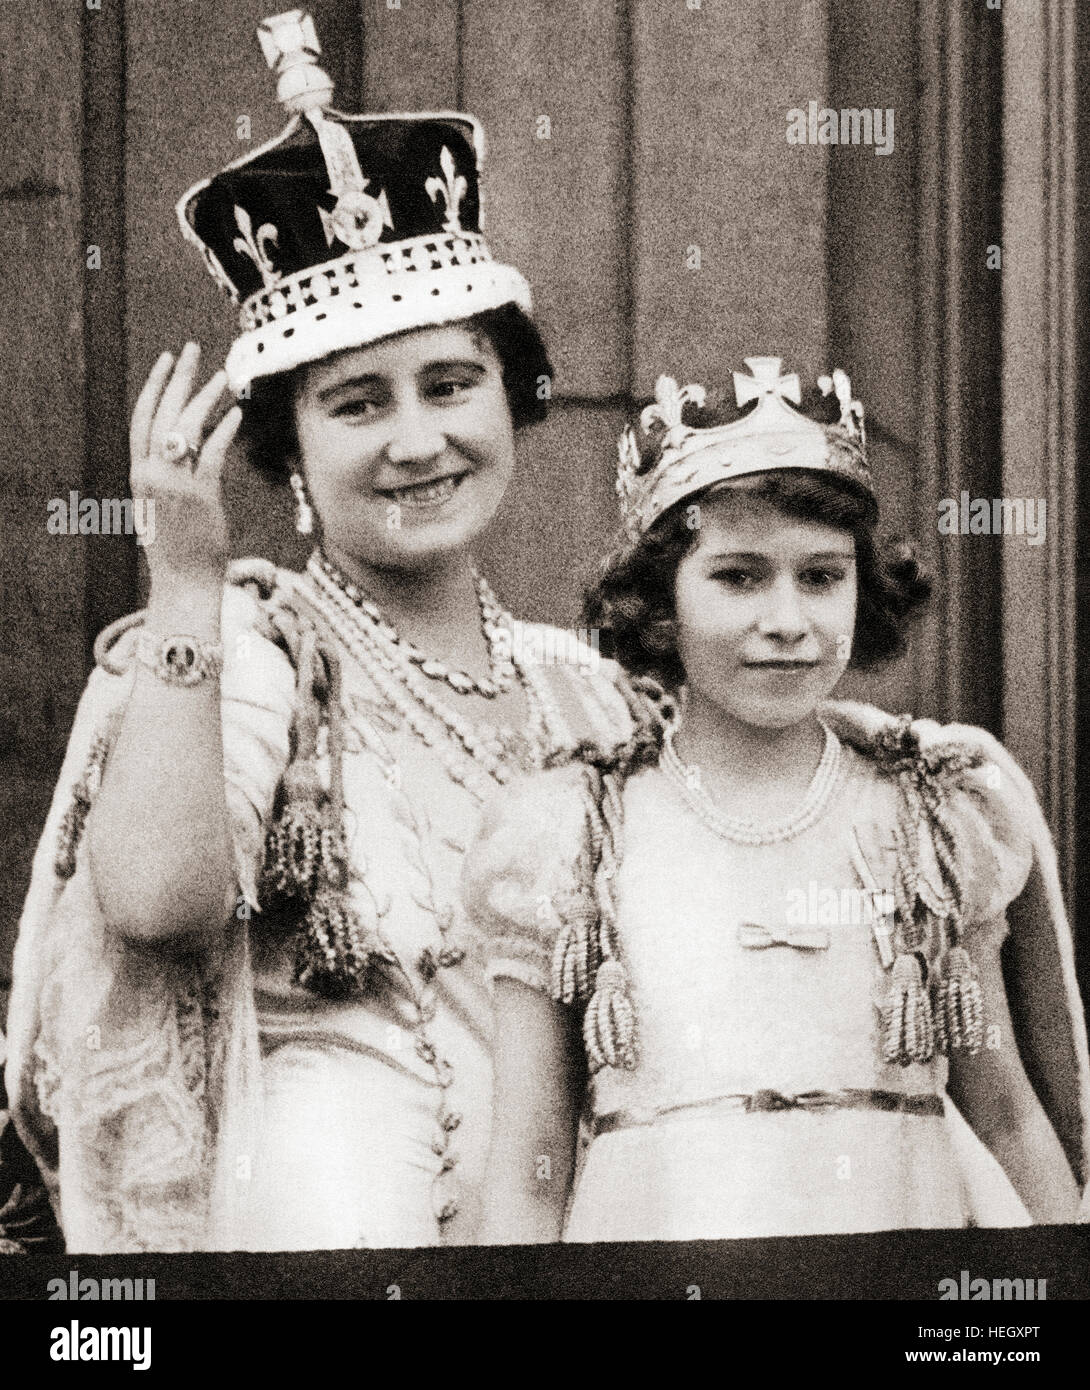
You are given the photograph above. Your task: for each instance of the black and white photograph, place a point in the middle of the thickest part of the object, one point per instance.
(546, 679)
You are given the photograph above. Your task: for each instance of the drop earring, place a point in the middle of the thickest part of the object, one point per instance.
(304, 512)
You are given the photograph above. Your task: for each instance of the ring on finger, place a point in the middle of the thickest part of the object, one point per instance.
(178, 449)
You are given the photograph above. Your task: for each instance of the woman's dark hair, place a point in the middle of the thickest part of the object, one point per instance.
(632, 602)
(267, 432)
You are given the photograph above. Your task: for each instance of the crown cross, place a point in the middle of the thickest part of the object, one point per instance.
(291, 48)
(451, 188)
(765, 381)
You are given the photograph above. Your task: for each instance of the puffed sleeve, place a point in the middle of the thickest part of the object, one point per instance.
(522, 878)
(258, 694)
(999, 842)
(986, 810)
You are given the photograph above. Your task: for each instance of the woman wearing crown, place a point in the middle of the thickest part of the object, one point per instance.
(248, 1010)
(777, 923)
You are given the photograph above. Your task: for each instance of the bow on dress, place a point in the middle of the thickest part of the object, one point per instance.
(756, 938)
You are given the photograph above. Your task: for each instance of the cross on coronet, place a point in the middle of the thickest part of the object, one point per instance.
(766, 381)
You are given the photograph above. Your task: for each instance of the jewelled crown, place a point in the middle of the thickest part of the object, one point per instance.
(685, 459)
(344, 229)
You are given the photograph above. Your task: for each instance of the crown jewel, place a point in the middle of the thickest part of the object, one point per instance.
(773, 435)
(344, 229)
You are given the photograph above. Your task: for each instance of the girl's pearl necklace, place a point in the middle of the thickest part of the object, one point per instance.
(465, 754)
(686, 778)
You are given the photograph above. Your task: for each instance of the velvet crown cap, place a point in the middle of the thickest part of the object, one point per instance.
(344, 229)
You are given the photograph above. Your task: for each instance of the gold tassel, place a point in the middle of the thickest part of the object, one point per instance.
(563, 972)
(303, 846)
(609, 1026)
(337, 954)
(909, 1032)
(959, 1004)
(575, 954)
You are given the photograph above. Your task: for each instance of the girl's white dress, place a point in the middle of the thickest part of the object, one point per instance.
(220, 1103)
(758, 968)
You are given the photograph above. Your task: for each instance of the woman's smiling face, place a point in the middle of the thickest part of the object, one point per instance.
(766, 610)
(407, 445)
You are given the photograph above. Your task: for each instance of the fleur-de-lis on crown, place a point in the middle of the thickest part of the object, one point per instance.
(254, 246)
(451, 187)
(851, 411)
(670, 400)
(628, 462)
(765, 381)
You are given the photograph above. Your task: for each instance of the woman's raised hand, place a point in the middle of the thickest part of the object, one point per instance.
(177, 463)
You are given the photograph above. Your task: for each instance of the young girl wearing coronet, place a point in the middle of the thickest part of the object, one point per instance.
(248, 1011)
(777, 922)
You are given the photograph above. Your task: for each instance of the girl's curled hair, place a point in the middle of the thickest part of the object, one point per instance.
(632, 601)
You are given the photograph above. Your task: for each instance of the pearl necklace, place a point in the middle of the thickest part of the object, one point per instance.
(686, 778)
(496, 634)
(465, 754)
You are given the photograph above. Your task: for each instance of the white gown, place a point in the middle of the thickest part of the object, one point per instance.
(730, 997)
(225, 1105)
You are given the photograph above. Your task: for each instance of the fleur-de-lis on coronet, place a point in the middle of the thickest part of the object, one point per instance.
(628, 462)
(254, 246)
(452, 187)
(851, 411)
(670, 400)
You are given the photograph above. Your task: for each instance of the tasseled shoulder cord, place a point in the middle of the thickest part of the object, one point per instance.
(305, 876)
(84, 791)
(586, 966)
(86, 787)
(936, 1007)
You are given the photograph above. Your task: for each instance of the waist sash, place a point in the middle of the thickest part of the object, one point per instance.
(766, 1101)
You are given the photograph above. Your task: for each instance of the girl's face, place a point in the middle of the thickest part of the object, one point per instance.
(765, 609)
(407, 445)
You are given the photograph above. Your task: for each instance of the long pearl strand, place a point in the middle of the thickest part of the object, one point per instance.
(411, 698)
(501, 667)
(744, 832)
